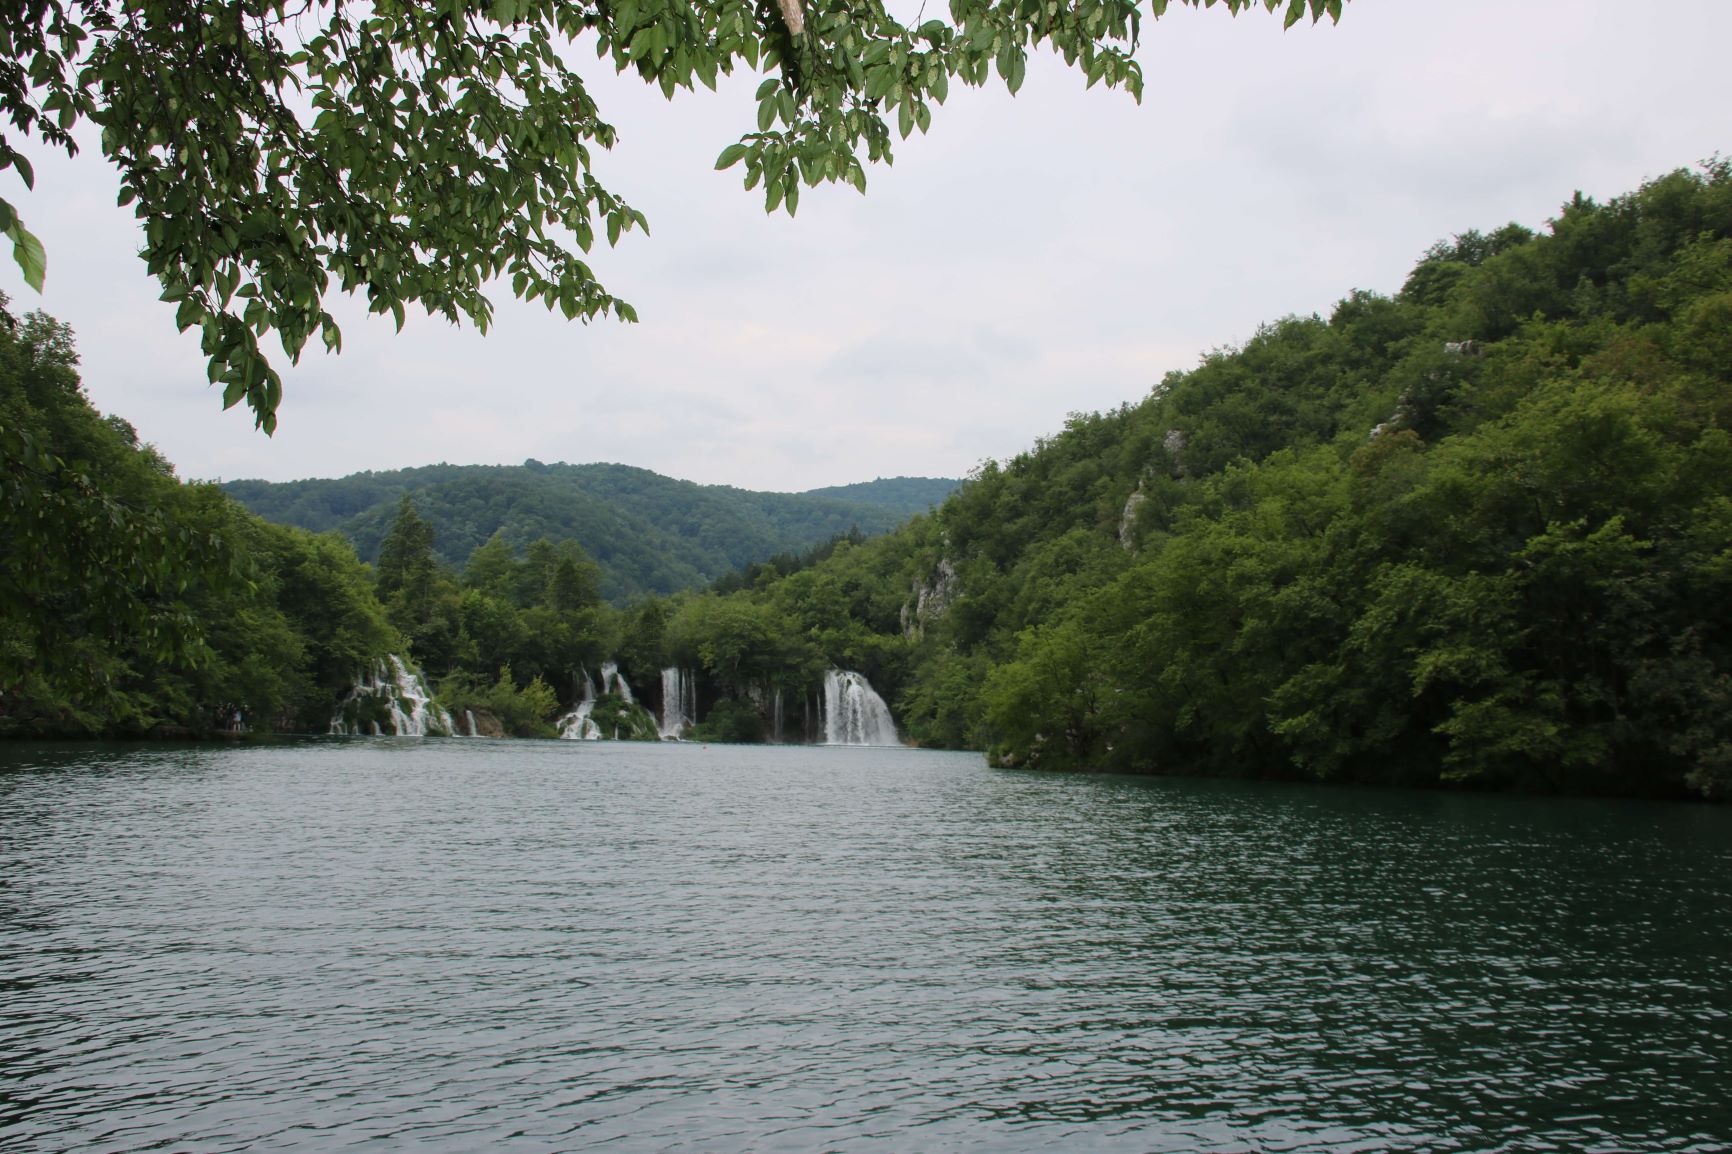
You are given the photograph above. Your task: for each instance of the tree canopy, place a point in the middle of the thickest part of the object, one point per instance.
(413, 151)
(131, 602)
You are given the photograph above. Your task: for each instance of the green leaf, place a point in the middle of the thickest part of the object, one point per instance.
(28, 252)
(730, 156)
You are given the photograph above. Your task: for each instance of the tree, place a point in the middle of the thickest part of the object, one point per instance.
(406, 564)
(97, 539)
(131, 602)
(491, 567)
(277, 150)
(419, 598)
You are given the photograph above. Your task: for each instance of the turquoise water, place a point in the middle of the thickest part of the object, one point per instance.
(458, 945)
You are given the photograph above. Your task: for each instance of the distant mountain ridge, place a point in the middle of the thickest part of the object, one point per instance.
(649, 533)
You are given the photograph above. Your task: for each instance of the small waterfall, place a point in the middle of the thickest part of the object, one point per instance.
(854, 714)
(469, 716)
(576, 725)
(393, 689)
(613, 682)
(679, 703)
(776, 718)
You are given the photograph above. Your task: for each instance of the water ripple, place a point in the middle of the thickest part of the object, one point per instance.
(547, 946)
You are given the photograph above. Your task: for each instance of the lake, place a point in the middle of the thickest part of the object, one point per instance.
(463, 945)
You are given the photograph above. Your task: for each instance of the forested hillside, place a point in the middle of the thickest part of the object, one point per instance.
(1478, 532)
(131, 603)
(649, 533)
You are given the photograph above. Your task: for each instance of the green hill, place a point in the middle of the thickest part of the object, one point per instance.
(1478, 532)
(649, 533)
(913, 494)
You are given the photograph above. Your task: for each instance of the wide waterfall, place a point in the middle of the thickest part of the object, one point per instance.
(391, 698)
(679, 703)
(854, 714)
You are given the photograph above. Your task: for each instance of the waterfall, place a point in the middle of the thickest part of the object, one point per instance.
(679, 703)
(391, 689)
(576, 725)
(853, 713)
(613, 682)
(776, 719)
(469, 716)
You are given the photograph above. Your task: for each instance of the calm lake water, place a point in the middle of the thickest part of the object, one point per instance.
(540, 946)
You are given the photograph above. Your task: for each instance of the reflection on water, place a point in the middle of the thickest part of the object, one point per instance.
(539, 946)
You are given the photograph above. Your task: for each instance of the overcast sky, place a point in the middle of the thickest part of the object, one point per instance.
(1030, 257)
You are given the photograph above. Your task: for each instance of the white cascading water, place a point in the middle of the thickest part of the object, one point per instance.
(413, 713)
(469, 716)
(854, 714)
(679, 703)
(612, 682)
(576, 725)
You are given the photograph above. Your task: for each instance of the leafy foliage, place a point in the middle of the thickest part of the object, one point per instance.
(130, 602)
(99, 539)
(523, 711)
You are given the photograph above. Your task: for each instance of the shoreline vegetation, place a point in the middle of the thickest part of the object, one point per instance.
(1475, 534)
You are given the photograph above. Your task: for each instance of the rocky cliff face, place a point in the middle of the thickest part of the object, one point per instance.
(1128, 519)
(930, 599)
(1174, 443)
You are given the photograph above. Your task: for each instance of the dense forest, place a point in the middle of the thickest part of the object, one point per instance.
(649, 533)
(131, 602)
(1478, 532)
